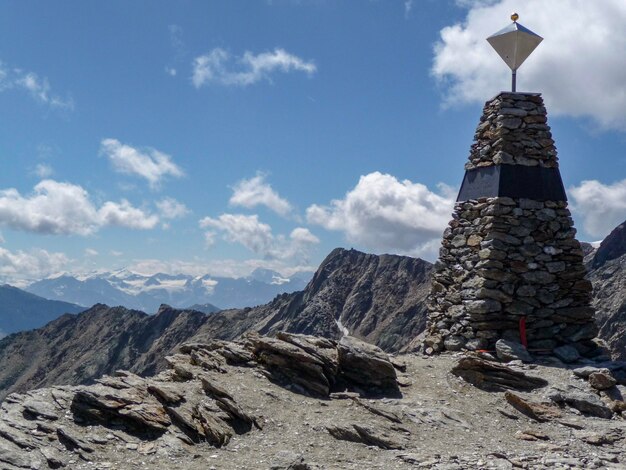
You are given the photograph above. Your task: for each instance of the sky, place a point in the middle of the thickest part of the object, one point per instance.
(218, 137)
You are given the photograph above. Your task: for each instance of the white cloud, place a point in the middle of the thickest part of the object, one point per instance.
(35, 264)
(124, 214)
(246, 230)
(170, 208)
(408, 6)
(43, 171)
(577, 67)
(303, 235)
(64, 208)
(255, 191)
(602, 207)
(38, 88)
(219, 67)
(176, 40)
(386, 215)
(150, 164)
(171, 71)
(40, 91)
(257, 237)
(116, 253)
(91, 252)
(209, 239)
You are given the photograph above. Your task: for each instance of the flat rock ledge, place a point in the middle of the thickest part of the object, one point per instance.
(302, 402)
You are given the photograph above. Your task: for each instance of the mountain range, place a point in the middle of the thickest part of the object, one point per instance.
(379, 298)
(147, 293)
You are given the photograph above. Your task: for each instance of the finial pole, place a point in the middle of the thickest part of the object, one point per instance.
(514, 17)
(514, 44)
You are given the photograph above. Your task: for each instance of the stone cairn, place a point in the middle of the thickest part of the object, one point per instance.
(510, 266)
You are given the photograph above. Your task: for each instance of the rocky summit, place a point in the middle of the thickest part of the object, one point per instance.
(305, 402)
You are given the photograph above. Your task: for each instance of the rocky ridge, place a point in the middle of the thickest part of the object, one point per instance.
(304, 402)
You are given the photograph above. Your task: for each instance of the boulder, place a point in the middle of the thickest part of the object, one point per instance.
(585, 372)
(538, 411)
(567, 354)
(512, 351)
(368, 435)
(587, 403)
(287, 362)
(601, 380)
(493, 377)
(366, 365)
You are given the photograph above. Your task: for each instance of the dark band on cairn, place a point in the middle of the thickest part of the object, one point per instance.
(514, 181)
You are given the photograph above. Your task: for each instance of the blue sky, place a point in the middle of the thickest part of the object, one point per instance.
(222, 136)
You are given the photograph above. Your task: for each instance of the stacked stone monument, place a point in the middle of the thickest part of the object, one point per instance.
(510, 266)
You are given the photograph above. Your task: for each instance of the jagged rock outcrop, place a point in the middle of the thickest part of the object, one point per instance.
(214, 407)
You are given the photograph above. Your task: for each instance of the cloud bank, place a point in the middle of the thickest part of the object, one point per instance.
(384, 214)
(256, 236)
(578, 67)
(35, 264)
(602, 207)
(66, 209)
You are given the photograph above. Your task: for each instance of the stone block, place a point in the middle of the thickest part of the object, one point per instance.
(483, 306)
(567, 354)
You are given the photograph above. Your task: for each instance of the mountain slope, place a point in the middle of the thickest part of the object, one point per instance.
(376, 298)
(21, 310)
(608, 275)
(78, 348)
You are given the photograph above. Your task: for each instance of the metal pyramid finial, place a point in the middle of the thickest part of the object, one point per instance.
(514, 44)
